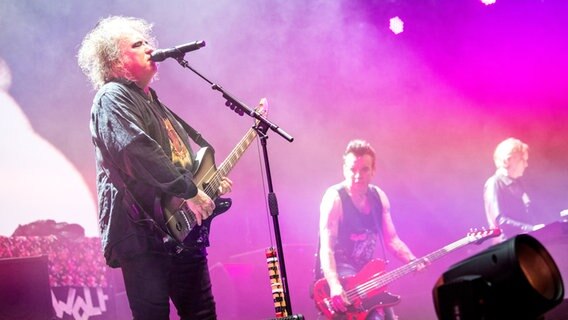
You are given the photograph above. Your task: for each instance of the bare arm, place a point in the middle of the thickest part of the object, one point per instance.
(330, 214)
(392, 240)
(491, 204)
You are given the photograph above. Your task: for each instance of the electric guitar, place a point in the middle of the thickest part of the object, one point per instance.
(180, 221)
(367, 289)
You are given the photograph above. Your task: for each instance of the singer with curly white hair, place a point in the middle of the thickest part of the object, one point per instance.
(143, 155)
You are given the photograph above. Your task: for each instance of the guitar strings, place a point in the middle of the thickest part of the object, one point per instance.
(241, 146)
(380, 280)
(215, 182)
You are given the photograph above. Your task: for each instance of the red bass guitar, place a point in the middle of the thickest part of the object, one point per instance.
(367, 289)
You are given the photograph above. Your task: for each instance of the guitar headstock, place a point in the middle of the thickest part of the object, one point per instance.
(262, 107)
(479, 236)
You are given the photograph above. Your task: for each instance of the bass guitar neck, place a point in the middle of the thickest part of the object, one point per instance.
(367, 289)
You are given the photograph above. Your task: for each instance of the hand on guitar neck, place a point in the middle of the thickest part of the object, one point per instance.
(420, 264)
(202, 205)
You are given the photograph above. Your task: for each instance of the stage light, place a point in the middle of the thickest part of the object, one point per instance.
(516, 279)
(396, 25)
(488, 2)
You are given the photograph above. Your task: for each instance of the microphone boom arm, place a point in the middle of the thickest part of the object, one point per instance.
(237, 106)
(262, 127)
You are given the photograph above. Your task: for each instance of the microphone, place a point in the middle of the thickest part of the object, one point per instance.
(175, 52)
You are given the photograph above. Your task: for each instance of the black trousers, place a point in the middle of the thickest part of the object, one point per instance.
(152, 279)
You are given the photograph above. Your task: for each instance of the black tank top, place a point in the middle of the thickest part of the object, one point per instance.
(358, 232)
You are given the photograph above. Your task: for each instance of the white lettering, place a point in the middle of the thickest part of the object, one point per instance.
(81, 308)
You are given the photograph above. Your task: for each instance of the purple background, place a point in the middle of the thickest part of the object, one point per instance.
(434, 101)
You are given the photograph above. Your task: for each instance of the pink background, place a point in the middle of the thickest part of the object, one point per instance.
(434, 101)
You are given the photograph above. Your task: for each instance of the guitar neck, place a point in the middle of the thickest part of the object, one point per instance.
(227, 165)
(388, 277)
(380, 280)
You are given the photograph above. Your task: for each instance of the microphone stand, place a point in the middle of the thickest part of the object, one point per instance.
(261, 128)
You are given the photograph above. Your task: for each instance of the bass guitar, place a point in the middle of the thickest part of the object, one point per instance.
(367, 289)
(180, 221)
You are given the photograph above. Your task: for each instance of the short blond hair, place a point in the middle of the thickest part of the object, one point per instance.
(99, 56)
(506, 148)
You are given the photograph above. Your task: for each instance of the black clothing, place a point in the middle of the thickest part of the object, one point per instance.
(515, 214)
(131, 144)
(151, 278)
(356, 245)
(358, 232)
(143, 154)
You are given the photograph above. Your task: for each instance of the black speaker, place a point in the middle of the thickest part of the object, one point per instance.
(24, 289)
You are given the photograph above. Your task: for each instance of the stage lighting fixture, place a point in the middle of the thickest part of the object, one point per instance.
(516, 279)
(396, 25)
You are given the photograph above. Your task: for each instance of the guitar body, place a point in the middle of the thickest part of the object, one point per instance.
(180, 220)
(361, 304)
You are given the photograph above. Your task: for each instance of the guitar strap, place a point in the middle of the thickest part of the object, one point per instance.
(200, 141)
(193, 134)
